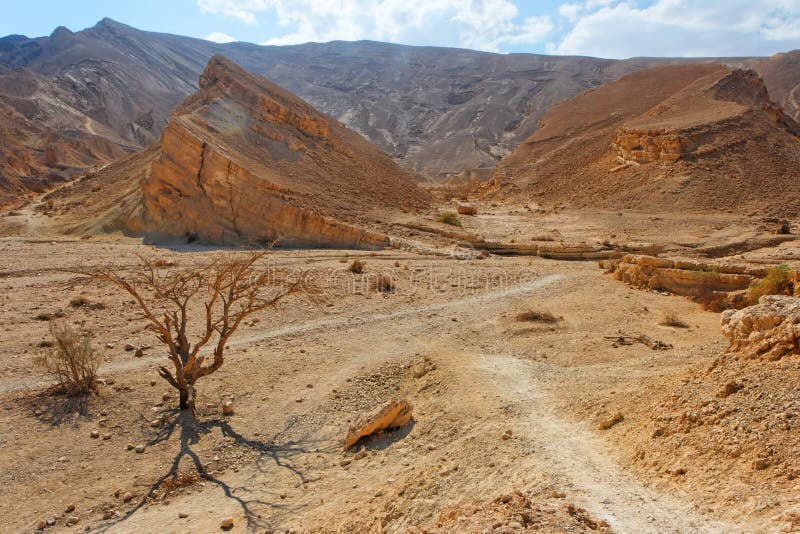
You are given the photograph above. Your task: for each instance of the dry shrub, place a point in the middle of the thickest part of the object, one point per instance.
(72, 362)
(670, 319)
(714, 301)
(777, 282)
(449, 217)
(357, 267)
(538, 317)
(182, 480)
(382, 283)
(83, 302)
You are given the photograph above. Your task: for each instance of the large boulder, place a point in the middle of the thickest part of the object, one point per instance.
(770, 329)
(393, 414)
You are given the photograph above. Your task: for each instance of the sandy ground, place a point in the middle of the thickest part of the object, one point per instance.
(300, 375)
(506, 405)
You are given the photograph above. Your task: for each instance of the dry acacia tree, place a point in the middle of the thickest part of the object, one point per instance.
(206, 304)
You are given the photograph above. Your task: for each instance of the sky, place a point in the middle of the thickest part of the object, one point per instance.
(600, 28)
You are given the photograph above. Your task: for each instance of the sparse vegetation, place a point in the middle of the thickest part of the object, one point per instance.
(777, 282)
(72, 361)
(357, 266)
(229, 289)
(382, 283)
(671, 319)
(449, 217)
(538, 317)
(83, 302)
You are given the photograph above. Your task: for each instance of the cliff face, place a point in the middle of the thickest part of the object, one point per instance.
(244, 161)
(696, 138)
(689, 125)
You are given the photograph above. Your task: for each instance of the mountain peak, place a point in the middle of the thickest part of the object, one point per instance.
(60, 33)
(220, 70)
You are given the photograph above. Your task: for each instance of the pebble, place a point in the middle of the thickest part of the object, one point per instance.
(183, 515)
(108, 514)
(50, 521)
(71, 520)
(226, 523)
(138, 354)
(70, 509)
(95, 434)
(227, 408)
(140, 449)
(109, 345)
(127, 497)
(41, 525)
(129, 347)
(106, 437)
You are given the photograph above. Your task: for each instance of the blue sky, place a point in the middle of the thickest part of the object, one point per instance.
(605, 28)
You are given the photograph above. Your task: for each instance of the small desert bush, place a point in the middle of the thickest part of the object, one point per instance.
(670, 319)
(538, 317)
(357, 267)
(72, 361)
(449, 217)
(83, 302)
(382, 283)
(181, 480)
(777, 282)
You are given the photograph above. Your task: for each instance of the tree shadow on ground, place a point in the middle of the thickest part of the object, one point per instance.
(191, 431)
(55, 407)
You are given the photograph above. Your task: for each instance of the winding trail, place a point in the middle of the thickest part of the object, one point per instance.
(585, 463)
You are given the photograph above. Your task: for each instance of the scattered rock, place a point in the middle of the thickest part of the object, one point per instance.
(608, 423)
(226, 523)
(393, 414)
(51, 521)
(227, 408)
(69, 509)
(138, 354)
(127, 496)
(72, 520)
(94, 434)
(423, 367)
(41, 525)
(770, 329)
(129, 347)
(183, 515)
(140, 449)
(106, 437)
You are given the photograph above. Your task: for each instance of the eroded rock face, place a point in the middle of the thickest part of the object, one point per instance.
(393, 414)
(244, 161)
(770, 329)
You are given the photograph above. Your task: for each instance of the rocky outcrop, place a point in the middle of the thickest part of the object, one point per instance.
(683, 128)
(769, 330)
(693, 138)
(718, 285)
(393, 414)
(244, 161)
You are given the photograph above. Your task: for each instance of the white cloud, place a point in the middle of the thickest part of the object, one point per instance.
(625, 28)
(219, 37)
(481, 24)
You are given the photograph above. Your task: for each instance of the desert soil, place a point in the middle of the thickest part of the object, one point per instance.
(500, 405)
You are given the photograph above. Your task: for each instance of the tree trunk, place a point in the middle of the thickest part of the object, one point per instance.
(187, 398)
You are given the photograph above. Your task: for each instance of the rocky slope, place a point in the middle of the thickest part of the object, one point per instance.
(698, 137)
(437, 111)
(243, 160)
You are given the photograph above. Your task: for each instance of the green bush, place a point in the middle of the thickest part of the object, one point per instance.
(449, 217)
(777, 282)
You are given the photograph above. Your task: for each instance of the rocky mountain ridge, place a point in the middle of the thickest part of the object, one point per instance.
(437, 111)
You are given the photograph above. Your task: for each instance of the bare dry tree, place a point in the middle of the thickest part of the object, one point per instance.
(230, 289)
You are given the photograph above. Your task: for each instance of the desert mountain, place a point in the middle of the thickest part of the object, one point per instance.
(245, 161)
(698, 137)
(84, 98)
